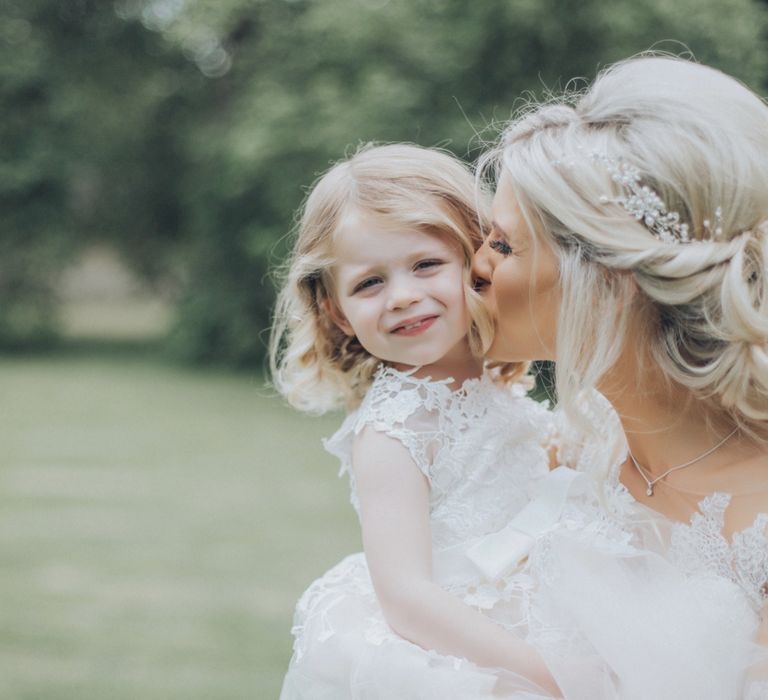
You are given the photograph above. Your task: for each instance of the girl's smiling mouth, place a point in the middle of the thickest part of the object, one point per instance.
(414, 326)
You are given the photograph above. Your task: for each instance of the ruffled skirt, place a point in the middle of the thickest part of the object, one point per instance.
(345, 650)
(611, 625)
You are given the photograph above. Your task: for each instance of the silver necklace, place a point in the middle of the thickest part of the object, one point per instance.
(650, 483)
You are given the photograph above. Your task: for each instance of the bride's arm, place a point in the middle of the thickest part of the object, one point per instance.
(394, 507)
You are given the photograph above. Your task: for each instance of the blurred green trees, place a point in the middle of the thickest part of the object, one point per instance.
(186, 132)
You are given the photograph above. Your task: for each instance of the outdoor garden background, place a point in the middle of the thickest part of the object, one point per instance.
(160, 508)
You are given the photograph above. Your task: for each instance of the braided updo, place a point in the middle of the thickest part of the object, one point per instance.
(699, 140)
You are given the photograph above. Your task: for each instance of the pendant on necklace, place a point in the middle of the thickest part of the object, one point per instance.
(649, 490)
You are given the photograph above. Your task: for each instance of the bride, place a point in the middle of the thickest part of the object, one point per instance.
(630, 245)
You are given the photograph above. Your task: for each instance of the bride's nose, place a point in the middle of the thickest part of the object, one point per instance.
(481, 268)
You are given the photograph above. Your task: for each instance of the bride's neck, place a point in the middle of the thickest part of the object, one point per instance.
(664, 423)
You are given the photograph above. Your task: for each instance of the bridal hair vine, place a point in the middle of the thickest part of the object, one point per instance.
(646, 206)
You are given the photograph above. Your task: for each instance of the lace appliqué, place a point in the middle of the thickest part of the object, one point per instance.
(698, 547)
(428, 417)
(424, 415)
(701, 546)
(348, 577)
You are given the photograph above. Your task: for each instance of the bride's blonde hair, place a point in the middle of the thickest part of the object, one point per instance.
(698, 139)
(315, 365)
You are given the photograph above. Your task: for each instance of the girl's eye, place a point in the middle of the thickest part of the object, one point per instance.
(424, 264)
(366, 284)
(500, 246)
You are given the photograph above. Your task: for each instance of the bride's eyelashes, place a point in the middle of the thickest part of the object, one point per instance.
(500, 246)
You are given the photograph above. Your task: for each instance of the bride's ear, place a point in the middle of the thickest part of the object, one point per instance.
(333, 312)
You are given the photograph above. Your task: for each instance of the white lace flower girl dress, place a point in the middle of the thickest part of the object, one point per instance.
(482, 448)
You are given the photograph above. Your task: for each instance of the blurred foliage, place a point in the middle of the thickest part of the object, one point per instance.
(88, 150)
(187, 132)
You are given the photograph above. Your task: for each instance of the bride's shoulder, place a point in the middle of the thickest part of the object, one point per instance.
(588, 437)
(742, 493)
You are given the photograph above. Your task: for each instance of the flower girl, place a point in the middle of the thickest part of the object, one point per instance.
(377, 315)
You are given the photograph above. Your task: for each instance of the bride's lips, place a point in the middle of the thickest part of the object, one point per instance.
(414, 326)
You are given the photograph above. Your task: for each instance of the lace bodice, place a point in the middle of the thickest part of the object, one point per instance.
(699, 547)
(481, 446)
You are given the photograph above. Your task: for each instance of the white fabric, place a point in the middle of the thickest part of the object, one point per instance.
(482, 449)
(757, 691)
(497, 554)
(671, 609)
(621, 603)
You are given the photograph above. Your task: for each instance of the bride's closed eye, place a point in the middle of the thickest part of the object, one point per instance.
(500, 246)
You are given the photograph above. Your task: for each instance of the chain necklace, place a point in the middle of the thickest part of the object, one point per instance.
(650, 483)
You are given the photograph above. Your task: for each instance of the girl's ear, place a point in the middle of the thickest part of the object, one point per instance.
(334, 313)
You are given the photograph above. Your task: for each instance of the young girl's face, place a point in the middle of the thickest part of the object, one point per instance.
(401, 292)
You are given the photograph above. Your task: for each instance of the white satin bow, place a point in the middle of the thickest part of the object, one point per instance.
(497, 554)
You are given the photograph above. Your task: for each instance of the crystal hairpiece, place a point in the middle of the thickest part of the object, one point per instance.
(646, 206)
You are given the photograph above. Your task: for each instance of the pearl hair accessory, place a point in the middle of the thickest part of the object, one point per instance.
(646, 206)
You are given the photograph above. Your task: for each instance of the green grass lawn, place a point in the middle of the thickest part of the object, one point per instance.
(156, 528)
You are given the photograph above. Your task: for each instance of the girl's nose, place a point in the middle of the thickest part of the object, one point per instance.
(402, 294)
(482, 268)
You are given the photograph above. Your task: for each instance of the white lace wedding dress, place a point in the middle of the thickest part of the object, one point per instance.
(630, 605)
(482, 449)
(622, 603)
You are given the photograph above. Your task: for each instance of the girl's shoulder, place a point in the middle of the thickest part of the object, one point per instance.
(397, 404)
(406, 408)
(421, 411)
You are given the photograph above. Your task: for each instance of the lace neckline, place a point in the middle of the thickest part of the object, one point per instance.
(387, 372)
(703, 505)
(700, 544)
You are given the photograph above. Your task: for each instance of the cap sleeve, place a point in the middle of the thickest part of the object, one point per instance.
(405, 408)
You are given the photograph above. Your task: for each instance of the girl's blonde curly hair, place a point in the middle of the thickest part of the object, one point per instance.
(314, 364)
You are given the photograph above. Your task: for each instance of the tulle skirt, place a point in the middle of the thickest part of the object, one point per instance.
(344, 649)
(611, 625)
